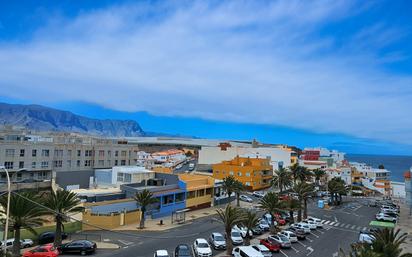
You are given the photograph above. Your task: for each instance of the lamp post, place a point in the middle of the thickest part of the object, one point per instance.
(6, 227)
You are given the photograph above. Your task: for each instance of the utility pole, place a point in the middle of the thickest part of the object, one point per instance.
(6, 227)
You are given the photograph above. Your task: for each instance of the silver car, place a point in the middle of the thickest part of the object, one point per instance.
(217, 241)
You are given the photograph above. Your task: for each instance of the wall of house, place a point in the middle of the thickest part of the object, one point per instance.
(109, 221)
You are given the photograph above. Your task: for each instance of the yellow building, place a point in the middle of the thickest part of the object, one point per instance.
(199, 190)
(254, 173)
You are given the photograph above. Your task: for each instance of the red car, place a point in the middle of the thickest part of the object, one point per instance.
(42, 251)
(272, 245)
(279, 220)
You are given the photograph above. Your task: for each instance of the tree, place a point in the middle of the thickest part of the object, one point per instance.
(24, 213)
(319, 174)
(388, 242)
(62, 203)
(304, 191)
(381, 167)
(292, 205)
(270, 203)
(282, 179)
(238, 189)
(250, 221)
(300, 173)
(228, 185)
(230, 216)
(144, 198)
(336, 187)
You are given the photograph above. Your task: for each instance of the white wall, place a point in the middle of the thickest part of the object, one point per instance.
(398, 189)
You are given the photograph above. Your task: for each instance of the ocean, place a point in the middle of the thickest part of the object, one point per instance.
(394, 163)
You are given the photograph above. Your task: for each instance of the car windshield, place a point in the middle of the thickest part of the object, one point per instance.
(235, 234)
(292, 235)
(203, 245)
(219, 238)
(283, 238)
(263, 222)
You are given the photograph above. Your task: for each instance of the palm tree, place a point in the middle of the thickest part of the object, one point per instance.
(336, 187)
(24, 213)
(388, 242)
(238, 189)
(228, 185)
(250, 221)
(300, 173)
(230, 216)
(62, 203)
(282, 179)
(292, 205)
(319, 174)
(144, 198)
(303, 190)
(270, 203)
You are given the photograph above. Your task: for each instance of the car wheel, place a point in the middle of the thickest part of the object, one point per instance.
(83, 252)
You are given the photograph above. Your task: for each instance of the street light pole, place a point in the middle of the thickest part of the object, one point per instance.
(6, 227)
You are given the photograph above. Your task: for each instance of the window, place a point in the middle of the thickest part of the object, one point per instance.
(21, 165)
(247, 183)
(33, 165)
(120, 176)
(9, 152)
(124, 153)
(42, 175)
(21, 152)
(216, 171)
(88, 153)
(34, 153)
(69, 163)
(79, 153)
(116, 162)
(109, 153)
(44, 164)
(100, 163)
(122, 162)
(69, 153)
(247, 174)
(180, 197)
(116, 153)
(87, 163)
(8, 165)
(209, 191)
(167, 199)
(78, 163)
(239, 174)
(45, 152)
(231, 173)
(127, 177)
(191, 194)
(101, 153)
(58, 164)
(200, 192)
(19, 175)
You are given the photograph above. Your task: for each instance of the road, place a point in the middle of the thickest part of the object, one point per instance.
(184, 168)
(341, 228)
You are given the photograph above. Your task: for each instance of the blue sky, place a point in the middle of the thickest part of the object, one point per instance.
(332, 73)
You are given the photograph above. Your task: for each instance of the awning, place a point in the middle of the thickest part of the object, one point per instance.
(382, 224)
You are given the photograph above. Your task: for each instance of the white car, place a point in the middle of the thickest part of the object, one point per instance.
(242, 230)
(24, 243)
(249, 251)
(312, 225)
(385, 217)
(264, 225)
(365, 237)
(236, 237)
(246, 198)
(258, 194)
(317, 221)
(290, 235)
(161, 253)
(263, 250)
(303, 226)
(202, 248)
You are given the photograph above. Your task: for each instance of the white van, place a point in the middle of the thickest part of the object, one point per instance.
(246, 251)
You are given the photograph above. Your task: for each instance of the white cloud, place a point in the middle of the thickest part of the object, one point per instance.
(239, 61)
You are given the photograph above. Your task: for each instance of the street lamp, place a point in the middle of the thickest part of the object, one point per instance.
(6, 227)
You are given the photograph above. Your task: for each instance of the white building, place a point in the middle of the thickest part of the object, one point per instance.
(209, 155)
(121, 175)
(343, 173)
(334, 154)
(172, 155)
(398, 189)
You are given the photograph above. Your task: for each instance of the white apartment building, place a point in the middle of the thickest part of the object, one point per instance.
(119, 175)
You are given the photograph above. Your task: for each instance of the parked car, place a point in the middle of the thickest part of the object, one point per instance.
(365, 237)
(183, 250)
(245, 251)
(243, 230)
(390, 212)
(78, 246)
(161, 253)
(217, 241)
(236, 237)
(201, 248)
(280, 221)
(268, 218)
(47, 250)
(312, 225)
(258, 194)
(257, 231)
(48, 237)
(300, 233)
(290, 235)
(303, 226)
(264, 225)
(246, 198)
(271, 244)
(317, 221)
(263, 250)
(282, 240)
(191, 166)
(385, 217)
(24, 243)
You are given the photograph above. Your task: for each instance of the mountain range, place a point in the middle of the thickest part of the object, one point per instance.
(41, 118)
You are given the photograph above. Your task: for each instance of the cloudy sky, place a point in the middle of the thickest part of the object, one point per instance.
(340, 68)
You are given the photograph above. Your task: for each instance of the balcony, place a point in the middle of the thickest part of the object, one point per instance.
(37, 185)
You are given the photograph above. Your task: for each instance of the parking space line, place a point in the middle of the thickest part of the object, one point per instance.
(327, 222)
(320, 231)
(302, 244)
(315, 235)
(353, 227)
(347, 226)
(342, 225)
(283, 253)
(296, 250)
(337, 224)
(310, 240)
(332, 223)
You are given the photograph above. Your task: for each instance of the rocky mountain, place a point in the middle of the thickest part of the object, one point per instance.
(41, 118)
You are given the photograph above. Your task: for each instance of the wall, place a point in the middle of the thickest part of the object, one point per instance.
(110, 221)
(114, 207)
(81, 178)
(398, 189)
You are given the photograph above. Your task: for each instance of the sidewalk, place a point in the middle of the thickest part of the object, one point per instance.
(405, 224)
(154, 224)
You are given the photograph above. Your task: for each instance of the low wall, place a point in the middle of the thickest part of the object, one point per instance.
(109, 221)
